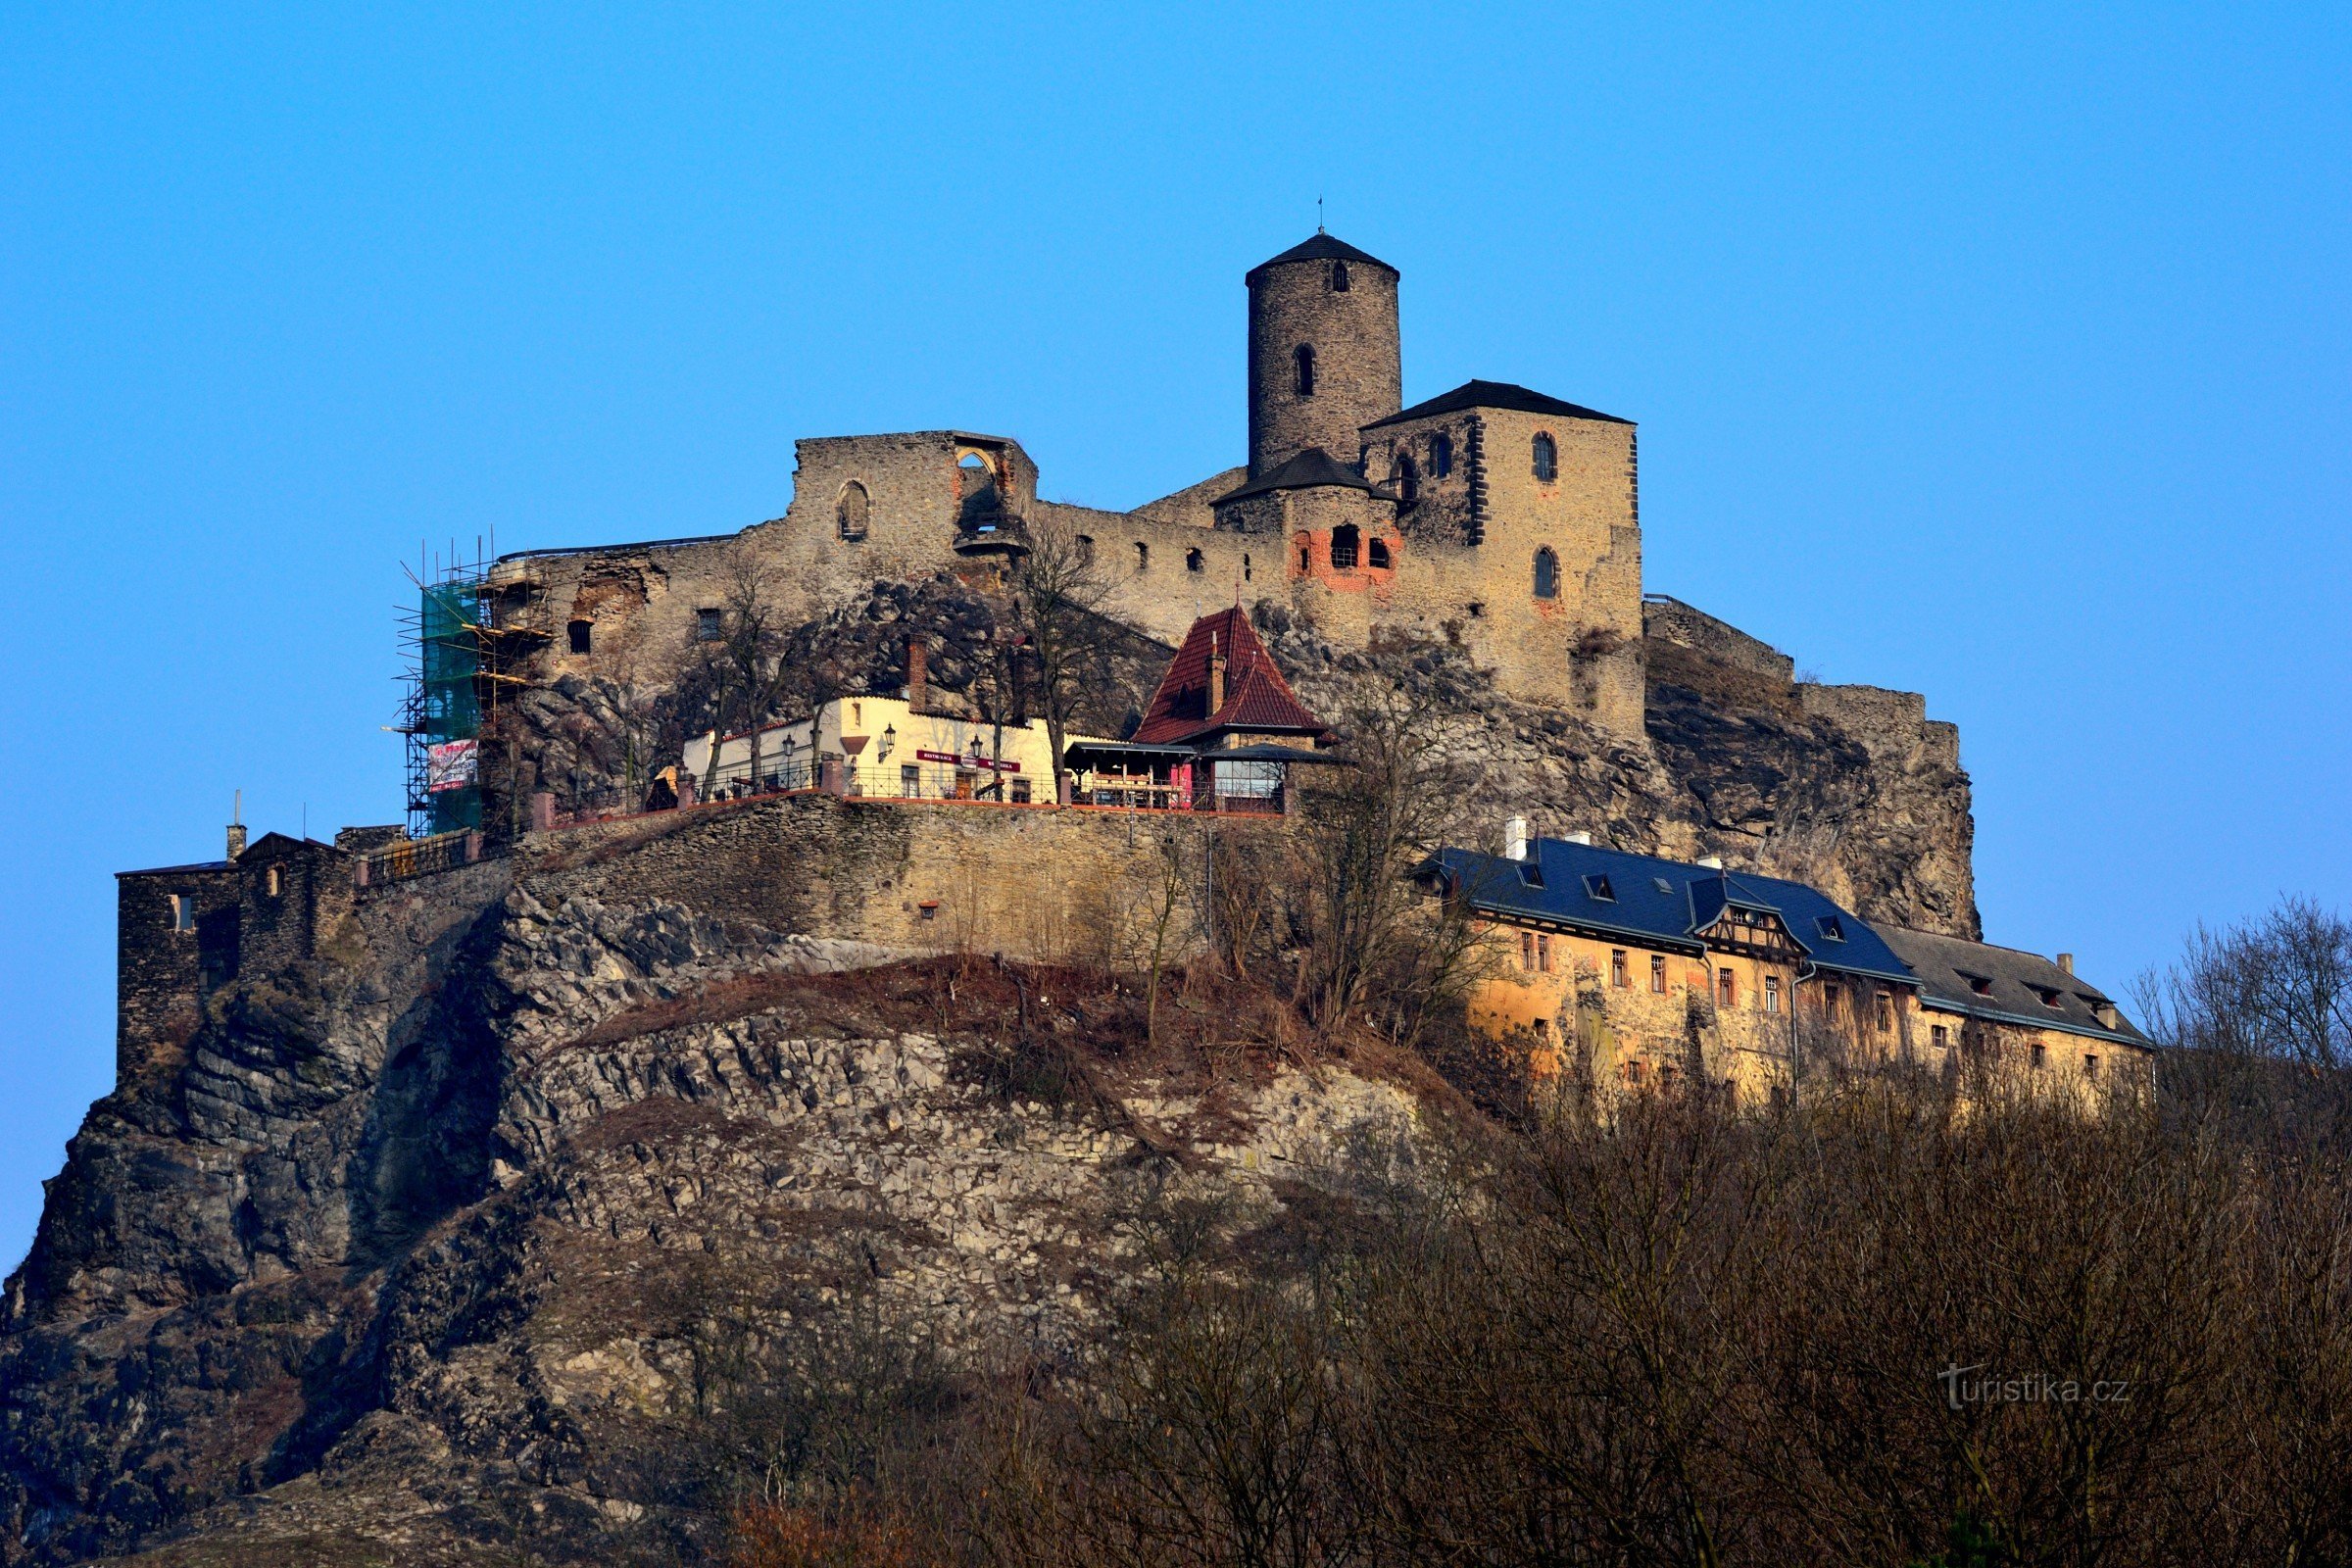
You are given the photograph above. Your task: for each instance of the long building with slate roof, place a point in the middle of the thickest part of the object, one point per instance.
(1624, 971)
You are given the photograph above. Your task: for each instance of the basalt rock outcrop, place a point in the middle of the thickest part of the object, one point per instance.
(435, 1249)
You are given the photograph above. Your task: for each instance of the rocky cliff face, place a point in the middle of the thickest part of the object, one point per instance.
(466, 1240)
(1848, 788)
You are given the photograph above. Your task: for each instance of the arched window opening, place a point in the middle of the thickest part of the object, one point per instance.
(1303, 357)
(850, 513)
(1408, 480)
(1192, 561)
(1548, 457)
(1440, 456)
(1343, 544)
(580, 631)
(1143, 556)
(1086, 550)
(1380, 554)
(1547, 573)
(1339, 277)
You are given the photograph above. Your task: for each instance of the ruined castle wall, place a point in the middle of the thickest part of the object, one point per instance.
(1358, 373)
(1066, 885)
(1671, 621)
(161, 971)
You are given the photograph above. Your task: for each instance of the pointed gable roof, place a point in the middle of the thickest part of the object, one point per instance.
(1496, 395)
(1256, 697)
(1308, 470)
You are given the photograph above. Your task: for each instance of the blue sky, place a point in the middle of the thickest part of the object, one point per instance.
(1996, 354)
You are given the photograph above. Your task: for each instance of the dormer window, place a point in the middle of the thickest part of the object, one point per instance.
(1980, 984)
(1829, 926)
(2049, 998)
(1662, 885)
(1597, 888)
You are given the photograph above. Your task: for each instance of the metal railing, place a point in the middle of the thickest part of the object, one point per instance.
(444, 852)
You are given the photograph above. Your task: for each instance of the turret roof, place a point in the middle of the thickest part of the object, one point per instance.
(1309, 471)
(1321, 247)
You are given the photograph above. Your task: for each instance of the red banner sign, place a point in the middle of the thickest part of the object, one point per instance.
(967, 761)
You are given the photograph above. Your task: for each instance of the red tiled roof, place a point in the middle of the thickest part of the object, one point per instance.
(1256, 697)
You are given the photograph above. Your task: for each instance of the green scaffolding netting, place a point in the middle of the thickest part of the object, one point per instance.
(448, 706)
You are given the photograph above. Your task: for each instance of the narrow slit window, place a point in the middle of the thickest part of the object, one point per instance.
(1302, 361)
(1526, 949)
(1544, 953)
(1143, 556)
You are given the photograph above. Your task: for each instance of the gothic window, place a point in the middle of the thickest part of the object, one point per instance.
(1440, 456)
(850, 511)
(580, 631)
(1343, 544)
(1547, 459)
(1408, 480)
(1547, 573)
(1339, 277)
(1378, 554)
(1303, 357)
(1192, 561)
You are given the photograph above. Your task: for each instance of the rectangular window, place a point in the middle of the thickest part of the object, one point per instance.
(1633, 1073)
(183, 911)
(1526, 949)
(1020, 792)
(1936, 1037)
(1657, 973)
(579, 632)
(1886, 1011)
(2090, 1066)
(1727, 992)
(1772, 993)
(1544, 953)
(708, 627)
(2041, 1056)
(273, 881)
(910, 780)
(1618, 974)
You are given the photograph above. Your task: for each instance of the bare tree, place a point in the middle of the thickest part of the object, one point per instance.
(1058, 590)
(2279, 985)
(749, 673)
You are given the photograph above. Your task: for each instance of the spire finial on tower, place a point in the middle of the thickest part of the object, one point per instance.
(1319, 216)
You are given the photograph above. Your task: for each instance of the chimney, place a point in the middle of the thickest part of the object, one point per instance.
(1578, 837)
(1216, 678)
(1713, 862)
(2066, 961)
(918, 673)
(236, 828)
(1514, 839)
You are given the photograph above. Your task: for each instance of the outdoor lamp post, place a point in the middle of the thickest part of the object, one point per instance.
(890, 738)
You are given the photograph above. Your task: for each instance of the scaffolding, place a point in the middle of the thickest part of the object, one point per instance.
(467, 642)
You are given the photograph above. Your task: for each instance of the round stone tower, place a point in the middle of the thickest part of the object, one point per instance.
(1323, 355)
